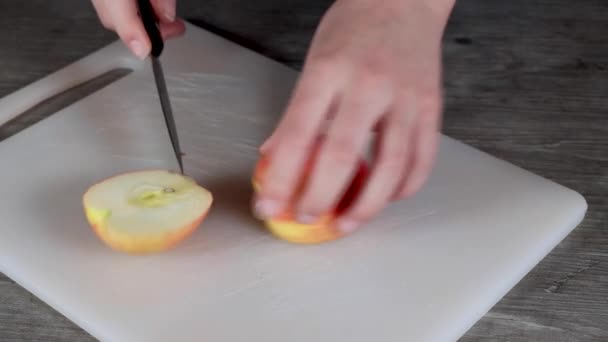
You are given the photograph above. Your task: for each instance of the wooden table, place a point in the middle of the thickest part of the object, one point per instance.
(525, 80)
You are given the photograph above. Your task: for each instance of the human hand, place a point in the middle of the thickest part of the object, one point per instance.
(122, 17)
(372, 66)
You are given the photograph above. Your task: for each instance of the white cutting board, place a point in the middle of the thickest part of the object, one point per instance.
(425, 270)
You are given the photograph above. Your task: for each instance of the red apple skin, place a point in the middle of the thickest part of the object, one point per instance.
(285, 226)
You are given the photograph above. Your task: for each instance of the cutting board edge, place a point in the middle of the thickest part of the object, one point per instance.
(105, 59)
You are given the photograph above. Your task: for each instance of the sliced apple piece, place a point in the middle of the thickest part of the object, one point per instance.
(146, 211)
(285, 225)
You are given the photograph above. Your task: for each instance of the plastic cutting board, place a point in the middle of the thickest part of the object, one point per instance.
(426, 269)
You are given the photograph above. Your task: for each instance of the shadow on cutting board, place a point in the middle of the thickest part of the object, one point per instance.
(233, 194)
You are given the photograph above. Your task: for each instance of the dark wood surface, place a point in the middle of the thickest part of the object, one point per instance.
(526, 81)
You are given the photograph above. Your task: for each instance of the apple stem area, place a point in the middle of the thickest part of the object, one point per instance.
(152, 196)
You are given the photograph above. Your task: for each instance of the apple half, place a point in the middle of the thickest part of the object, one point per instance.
(286, 227)
(146, 211)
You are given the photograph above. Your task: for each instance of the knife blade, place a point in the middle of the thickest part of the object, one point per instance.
(150, 24)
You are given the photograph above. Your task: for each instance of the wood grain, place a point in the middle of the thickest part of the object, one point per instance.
(526, 81)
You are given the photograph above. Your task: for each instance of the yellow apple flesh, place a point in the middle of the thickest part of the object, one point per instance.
(146, 211)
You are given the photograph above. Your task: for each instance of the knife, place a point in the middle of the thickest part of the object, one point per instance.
(149, 20)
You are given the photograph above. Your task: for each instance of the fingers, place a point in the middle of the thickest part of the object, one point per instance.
(165, 10)
(408, 138)
(122, 16)
(391, 160)
(172, 30)
(102, 13)
(426, 140)
(294, 138)
(367, 99)
(169, 25)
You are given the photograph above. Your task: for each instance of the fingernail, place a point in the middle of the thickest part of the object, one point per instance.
(169, 10)
(266, 208)
(347, 226)
(169, 13)
(138, 48)
(306, 218)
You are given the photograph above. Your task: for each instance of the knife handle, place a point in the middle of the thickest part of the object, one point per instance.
(150, 20)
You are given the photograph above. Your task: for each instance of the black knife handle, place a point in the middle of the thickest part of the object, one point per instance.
(149, 20)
